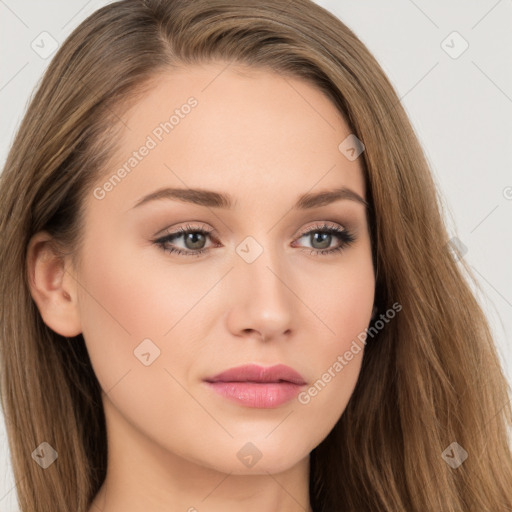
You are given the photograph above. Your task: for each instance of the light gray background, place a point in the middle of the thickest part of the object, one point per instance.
(461, 109)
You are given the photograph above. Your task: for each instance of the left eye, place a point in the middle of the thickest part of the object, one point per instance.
(194, 239)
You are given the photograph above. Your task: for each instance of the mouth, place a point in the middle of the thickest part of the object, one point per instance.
(256, 386)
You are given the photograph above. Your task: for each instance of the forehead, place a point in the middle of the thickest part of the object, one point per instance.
(220, 126)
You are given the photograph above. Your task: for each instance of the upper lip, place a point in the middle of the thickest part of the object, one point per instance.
(255, 373)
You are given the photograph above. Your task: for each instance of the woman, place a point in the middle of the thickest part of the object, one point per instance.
(225, 279)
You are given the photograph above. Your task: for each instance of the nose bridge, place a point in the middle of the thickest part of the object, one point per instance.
(261, 270)
(261, 259)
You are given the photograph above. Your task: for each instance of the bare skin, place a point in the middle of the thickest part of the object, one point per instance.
(174, 444)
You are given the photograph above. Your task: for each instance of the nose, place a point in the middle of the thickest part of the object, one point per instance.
(262, 302)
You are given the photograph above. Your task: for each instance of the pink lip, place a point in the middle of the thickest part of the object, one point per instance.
(258, 386)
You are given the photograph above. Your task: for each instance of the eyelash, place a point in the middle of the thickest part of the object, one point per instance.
(345, 237)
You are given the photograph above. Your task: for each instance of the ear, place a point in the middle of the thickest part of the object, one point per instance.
(53, 286)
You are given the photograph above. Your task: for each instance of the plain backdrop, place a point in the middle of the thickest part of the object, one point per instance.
(451, 65)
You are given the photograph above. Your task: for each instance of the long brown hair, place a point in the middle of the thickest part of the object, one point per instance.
(430, 378)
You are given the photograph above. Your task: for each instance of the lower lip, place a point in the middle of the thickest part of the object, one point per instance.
(261, 395)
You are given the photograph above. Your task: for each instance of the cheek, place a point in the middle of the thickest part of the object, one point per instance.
(130, 297)
(136, 290)
(123, 302)
(343, 299)
(345, 308)
(350, 305)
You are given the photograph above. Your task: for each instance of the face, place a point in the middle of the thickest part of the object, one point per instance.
(178, 289)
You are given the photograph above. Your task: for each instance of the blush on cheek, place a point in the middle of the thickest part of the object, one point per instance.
(120, 291)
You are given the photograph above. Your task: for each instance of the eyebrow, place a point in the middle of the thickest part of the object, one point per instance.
(212, 199)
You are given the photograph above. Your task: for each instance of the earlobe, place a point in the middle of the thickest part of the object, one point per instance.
(52, 286)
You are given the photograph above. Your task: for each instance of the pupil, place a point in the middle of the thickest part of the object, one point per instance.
(192, 237)
(326, 239)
